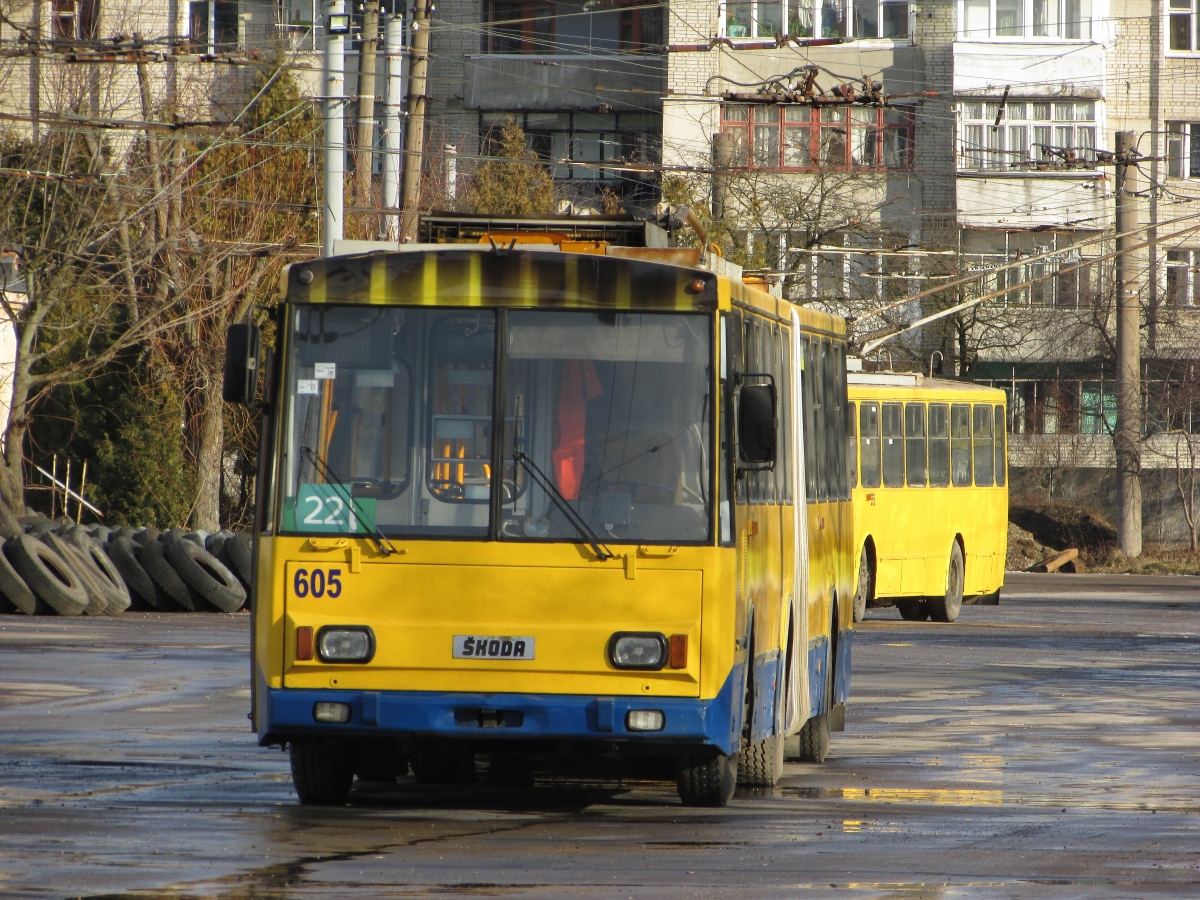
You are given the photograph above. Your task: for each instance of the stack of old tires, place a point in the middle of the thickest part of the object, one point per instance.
(53, 566)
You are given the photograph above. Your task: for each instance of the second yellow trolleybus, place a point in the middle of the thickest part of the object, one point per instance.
(536, 504)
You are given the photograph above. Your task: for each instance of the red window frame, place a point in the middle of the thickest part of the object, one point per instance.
(799, 137)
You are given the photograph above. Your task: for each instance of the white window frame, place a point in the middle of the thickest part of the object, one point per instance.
(1183, 150)
(1026, 126)
(1178, 11)
(817, 13)
(1184, 263)
(1039, 20)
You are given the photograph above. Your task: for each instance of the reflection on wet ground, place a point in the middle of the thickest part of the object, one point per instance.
(1045, 747)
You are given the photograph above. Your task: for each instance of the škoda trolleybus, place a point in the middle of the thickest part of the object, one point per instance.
(930, 494)
(551, 506)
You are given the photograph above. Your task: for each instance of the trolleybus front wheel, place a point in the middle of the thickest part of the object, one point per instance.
(707, 779)
(946, 608)
(322, 771)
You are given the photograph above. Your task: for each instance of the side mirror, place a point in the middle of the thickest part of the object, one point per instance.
(757, 426)
(241, 365)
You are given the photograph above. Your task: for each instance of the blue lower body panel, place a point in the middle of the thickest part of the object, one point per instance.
(507, 716)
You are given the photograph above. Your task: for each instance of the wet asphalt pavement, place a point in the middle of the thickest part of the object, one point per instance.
(1048, 747)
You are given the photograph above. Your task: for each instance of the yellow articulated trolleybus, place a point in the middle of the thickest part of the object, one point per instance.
(930, 494)
(546, 506)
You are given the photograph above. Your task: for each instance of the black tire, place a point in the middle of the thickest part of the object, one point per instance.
(13, 588)
(44, 527)
(206, 575)
(103, 569)
(865, 591)
(142, 592)
(146, 535)
(154, 560)
(761, 764)
(196, 537)
(814, 734)
(240, 550)
(322, 771)
(441, 761)
(10, 526)
(98, 595)
(103, 534)
(126, 531)
(48, 575)
(707, 779)
(171, 535)
(215, 544)
(913, 610)
(947, 607)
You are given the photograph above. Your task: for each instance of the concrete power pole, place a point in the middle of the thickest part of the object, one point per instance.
(366, 101)
(393, 42)
(724, 158)
(1127, 439)
(414, 134)
(336, 24)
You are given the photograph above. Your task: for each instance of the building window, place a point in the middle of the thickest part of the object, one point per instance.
(568, 142)
(1029, 132)
(791, 136)
(1185, 26)
(520, 26)
(817, 18)
(1067, 20)
(76, 20)
(1183, 149)
(213, 24)
(1183, 277)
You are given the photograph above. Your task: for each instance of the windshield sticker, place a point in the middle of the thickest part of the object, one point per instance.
(307, 386)
(325, 371)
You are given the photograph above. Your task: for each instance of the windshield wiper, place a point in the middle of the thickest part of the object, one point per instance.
(378, 538)
(585, 531)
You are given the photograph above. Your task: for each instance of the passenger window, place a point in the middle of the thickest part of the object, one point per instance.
(893, 445)
(783, 468)
(960, 444)
(914, 444)
(840, 443)
(810, 436)
(852, 443)
(817, 382)
(982, 435)
(939, 444)
(1001, 459)
(833, 411)
(868, 430)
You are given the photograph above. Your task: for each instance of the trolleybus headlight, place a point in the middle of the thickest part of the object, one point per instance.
(630, 650)
(346, 643)
(645, 720)
(331, 713)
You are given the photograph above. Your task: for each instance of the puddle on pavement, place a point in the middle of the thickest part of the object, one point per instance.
(935, 796)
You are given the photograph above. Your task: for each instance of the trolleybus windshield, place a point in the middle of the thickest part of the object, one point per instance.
(391, 422)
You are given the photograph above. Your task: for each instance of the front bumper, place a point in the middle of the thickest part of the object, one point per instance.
(713, 722)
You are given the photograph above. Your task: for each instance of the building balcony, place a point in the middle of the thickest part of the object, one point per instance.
(524, 83)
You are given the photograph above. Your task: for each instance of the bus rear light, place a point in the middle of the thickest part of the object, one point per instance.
(631, 650)
(346, 643)
(304, 642)
(331, 713)
(645, 720)
(677, 658)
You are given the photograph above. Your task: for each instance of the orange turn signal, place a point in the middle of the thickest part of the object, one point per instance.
(677, 658)
(304, 642)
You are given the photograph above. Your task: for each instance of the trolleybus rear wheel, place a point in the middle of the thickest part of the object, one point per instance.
(947, 607)
(866, 578)
(913, 610)
(707, 779)
(322, 771)
(814, 734)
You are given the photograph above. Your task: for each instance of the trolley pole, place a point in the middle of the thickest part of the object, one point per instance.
(414, 135)
(337, 24)
(1127, 439)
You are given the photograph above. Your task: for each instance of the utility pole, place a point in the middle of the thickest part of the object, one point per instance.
(1127, 439)
(724, 158)
(337, 23)
(393, 49)
(369, 45)
(414, 135)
